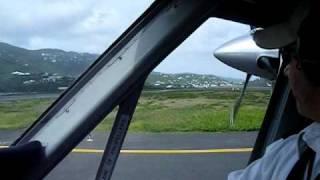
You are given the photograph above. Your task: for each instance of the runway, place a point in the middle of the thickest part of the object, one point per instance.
(162, 156)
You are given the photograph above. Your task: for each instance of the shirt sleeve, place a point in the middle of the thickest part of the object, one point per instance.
(259, 168)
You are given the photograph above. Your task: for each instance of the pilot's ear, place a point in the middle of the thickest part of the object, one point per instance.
(286, 70)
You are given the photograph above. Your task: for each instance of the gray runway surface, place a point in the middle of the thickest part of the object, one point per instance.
(155, 167)
(83, 166)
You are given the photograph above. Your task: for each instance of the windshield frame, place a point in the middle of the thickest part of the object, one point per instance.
(164, 26)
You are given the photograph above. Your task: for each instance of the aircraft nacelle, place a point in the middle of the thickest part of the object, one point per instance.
(243, 54)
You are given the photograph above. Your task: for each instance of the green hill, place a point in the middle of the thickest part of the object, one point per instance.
(48, 70)
(26, 70)
(52, 61)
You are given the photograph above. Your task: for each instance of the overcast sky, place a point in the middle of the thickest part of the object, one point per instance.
(91, 26)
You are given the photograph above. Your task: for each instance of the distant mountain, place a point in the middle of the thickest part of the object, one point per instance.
(49, 70)
(52, 61)
(39, 70)
(260, 82)
(187, 80)
(157, 80)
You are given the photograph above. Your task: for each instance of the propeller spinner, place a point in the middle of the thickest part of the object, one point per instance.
(243, 54)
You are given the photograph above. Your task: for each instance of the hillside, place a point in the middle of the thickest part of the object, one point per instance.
(24, 70)
(50, 70)
(52, 61)
(187, 80)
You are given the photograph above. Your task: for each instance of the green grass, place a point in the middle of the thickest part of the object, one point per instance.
(171, 111)
(20, 114)
(195, 111)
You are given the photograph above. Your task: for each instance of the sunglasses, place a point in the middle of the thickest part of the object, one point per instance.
(304, 57)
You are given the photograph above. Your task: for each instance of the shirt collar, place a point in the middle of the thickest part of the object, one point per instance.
(312, 136)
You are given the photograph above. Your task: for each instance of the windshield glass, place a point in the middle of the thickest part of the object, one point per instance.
(182, 111)
(46, 46)
(181, 123)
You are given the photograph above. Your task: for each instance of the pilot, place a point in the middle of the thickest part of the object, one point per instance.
(298, 156)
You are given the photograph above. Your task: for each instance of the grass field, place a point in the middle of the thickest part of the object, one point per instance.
(162, 111)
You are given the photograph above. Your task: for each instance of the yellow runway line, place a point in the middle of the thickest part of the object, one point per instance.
(165, 151)
(87, 151)
(187, 151)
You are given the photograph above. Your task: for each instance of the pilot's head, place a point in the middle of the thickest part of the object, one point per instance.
(301, 49)
(303, 71)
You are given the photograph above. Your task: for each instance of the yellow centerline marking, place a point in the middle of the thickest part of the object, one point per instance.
(87, 151)
(186, 151)
(164, 151)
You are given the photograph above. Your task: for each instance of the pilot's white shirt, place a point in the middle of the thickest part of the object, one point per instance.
(280, 157)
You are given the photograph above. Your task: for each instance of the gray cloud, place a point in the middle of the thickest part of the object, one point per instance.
(66, 24)
(91, 26)
(27, 21)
